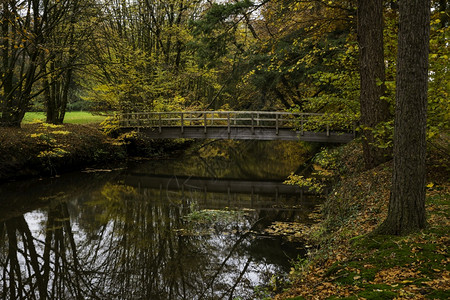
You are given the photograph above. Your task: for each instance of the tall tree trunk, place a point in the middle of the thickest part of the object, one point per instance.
(407, 203)
(374, 109)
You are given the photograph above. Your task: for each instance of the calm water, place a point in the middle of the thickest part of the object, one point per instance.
(184, 228)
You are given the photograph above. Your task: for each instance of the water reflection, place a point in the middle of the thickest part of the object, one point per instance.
(254, 160)
(109, 236)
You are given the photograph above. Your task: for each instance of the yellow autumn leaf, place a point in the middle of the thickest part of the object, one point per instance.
(436, 270)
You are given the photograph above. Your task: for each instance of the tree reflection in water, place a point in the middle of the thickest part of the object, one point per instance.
(39, 269)
(115, 241)
(130, 243)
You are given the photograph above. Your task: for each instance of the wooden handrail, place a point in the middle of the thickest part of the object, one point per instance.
(226, 119)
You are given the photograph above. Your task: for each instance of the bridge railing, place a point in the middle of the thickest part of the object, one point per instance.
(231, 119)
(215, 118)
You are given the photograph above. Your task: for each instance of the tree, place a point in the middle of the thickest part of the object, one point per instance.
(374, 109)
(21, 35)
(407, 202)
(142, 57)
(57, 62)
(27, 30)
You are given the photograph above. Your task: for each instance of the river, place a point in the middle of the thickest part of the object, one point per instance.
(189, 227)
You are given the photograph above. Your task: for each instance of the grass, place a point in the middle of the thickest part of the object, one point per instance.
(73, 117)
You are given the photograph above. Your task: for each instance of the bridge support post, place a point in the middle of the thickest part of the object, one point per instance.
(253, 125)
(301, 126)
(228, 125)
(159, 116)
(205, 121)
(276, 124)
(182, 123)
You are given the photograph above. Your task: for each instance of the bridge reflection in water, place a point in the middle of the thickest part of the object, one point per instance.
(273, 192)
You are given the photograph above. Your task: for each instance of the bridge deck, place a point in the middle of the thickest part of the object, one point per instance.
(238, 125)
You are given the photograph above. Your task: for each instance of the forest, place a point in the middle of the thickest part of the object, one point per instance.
(380, 64)
(133, 55)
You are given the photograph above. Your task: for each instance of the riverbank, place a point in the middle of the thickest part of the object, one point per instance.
(351, 263)
(41, 149)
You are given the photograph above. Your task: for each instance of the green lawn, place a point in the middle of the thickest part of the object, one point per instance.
(73, 117)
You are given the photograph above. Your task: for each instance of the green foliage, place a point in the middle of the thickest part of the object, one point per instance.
(51, 150)
(79, 105)
(305, 63)
(262, 292)
(383, 134)
(312, 184)
(110, 125)
(327, 164)
(337, 83)
(327, 158)
(438, 115)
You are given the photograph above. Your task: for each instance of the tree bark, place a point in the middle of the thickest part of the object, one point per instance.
(407, 202)
(374, 109)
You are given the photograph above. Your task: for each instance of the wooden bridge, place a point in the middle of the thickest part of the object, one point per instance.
(236, 125)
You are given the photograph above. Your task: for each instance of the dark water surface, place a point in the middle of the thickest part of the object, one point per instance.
(191, 227)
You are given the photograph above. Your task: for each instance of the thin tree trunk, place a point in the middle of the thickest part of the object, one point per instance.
(65, 96)
(374, 109)
(48, 97)
(407, 203)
